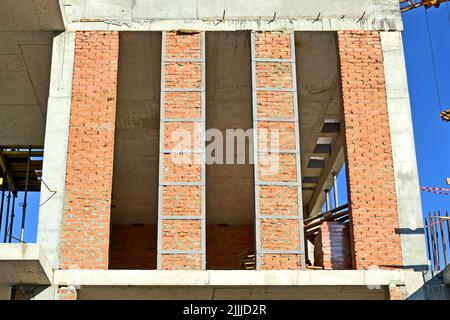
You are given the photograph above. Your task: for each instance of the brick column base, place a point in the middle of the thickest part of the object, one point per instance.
(67, 293)
(397, 291)
(332, 249)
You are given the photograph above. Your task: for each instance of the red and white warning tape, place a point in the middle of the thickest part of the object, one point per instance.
(443, 191)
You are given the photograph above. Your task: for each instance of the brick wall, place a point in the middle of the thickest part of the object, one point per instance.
(372, 197)
(332, 249)
(181, 246)
(397, 291)
(85, 227)
(67, 293)
(224, 244)
(280, 226)
(133, 247)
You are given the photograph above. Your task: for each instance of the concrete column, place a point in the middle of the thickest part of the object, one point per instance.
(55, 148)
(181, 217)
(86, 220)
(374, 217)
(404, 153)
(279, 219)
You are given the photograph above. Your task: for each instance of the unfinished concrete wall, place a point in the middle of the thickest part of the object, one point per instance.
(181, 233)
(86, 220)
(370, 175)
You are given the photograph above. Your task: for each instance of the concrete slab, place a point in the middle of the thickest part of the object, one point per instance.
(371, 278)
(23, 264)
(24, 80)
(29, 15)
(232, 293)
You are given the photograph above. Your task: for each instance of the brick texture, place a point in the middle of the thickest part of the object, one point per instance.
(183, 71)
(181, 262)
(182, 200)
(86, 220)
(372, 197)
(183, 105)
(278, 167)
(397, 291)
(133, 247)
(67, 293)
(283, 139)
(278, 200)
(280, 261)
(275, 104)
(181, 235)
(332, 249)
(277, 235)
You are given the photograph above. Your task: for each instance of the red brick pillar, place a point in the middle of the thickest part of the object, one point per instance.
(181, 222)
(332, 249)
(397, 291)
(67, 293)
(85, 228)
(370, 175)
(279, 225)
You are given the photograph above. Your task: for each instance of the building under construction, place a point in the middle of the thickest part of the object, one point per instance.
(100, 100)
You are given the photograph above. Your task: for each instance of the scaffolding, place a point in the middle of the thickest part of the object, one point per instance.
(20, 167)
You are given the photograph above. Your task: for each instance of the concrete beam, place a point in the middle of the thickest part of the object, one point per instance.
(413, 280)
(242, 24)
(232, 15)
(403, 151)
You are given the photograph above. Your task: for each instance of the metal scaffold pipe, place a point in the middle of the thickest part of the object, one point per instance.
(25, 197)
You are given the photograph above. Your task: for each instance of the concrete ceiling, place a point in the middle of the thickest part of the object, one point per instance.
(27, 28)
(25, 60)
(31, 15)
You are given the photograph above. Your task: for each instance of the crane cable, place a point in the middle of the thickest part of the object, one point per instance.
(433, 60)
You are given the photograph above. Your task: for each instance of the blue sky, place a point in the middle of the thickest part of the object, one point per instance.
(432, 135)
